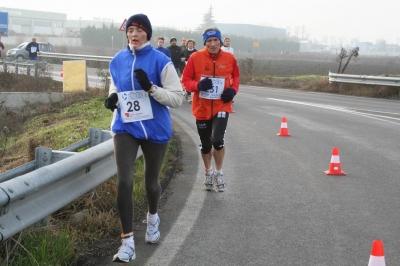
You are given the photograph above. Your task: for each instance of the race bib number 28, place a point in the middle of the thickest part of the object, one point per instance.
(135, 106)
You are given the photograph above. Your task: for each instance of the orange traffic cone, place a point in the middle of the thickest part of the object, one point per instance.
(284, 129)
(62, 72)
(334, 167)
(377, 257)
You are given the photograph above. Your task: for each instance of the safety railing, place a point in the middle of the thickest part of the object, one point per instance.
(22, 67)
(32, 192)
(367, 80)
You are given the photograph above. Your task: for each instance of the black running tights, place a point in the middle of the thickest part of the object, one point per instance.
(126, 147)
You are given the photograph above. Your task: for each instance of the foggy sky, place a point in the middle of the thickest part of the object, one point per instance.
(316, 19)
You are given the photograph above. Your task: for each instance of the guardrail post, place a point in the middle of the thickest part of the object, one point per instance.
(43, 158)
(36, 69)
(4, 66)
(95, 136)
(108, 79)
(28, 70)
(16, 68)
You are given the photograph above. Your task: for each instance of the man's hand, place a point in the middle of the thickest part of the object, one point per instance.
(141, 77)
(111, 102)
(204, 84)
(228, 95)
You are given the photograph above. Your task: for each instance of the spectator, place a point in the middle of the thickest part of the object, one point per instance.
(160, 43)
(33, 49)
(185, 54)
(175, 58)
(183, 47)
(140, 119)
(213, 77)
(227, 45)
(1, 47)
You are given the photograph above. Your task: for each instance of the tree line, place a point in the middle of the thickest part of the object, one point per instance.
(110, 36)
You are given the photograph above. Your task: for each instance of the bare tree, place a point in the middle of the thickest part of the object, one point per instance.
(352, 54)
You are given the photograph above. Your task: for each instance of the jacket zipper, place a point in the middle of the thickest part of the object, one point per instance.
(212, 103)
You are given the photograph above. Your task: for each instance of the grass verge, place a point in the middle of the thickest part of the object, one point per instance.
(83, 222)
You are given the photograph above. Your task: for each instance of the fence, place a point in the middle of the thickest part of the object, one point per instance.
(33, 191)
(367, 80)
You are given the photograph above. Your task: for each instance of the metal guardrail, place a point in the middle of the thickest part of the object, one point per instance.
(367, 80)
(77, 57)
(27, 64)
(60, 178)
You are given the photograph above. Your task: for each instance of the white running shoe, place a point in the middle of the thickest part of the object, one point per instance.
(125, 253)
(209, 182)
(190, 98)
(152, 233)
(219, 182)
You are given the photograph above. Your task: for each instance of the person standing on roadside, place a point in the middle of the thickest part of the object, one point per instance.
(160, 44)
(213, 78)
(185, 54)
(33, 49)
(183, 47)
(1, 47)
(143, 85)
(227, 45)
(175, 58)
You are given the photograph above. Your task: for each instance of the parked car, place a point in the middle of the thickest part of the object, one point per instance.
(21, 53)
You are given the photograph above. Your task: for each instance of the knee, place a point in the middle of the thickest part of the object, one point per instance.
(218, 145)
(206, 148)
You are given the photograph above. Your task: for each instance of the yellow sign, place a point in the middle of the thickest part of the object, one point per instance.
(75, 76)
(256, 44)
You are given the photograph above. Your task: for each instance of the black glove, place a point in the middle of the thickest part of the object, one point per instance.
(111, 102)
(205, 84)
(228, 95)
(143, 80)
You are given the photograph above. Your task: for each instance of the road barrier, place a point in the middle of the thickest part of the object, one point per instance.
(367, 80)
(27, 65)
(32, 192)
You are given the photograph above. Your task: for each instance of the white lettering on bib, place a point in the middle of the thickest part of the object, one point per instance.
(33, 49)
(135, 106)
(217, 89)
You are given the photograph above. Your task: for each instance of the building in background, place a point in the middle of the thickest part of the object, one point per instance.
(30, 22)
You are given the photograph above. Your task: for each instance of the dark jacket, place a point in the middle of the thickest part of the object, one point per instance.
(186, 53)
(33, 49)
(175, 58)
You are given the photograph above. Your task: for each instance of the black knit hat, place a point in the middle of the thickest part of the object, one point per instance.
(141, 21)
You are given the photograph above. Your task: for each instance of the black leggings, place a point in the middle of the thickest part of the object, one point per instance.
(212, 132)
(125, 148)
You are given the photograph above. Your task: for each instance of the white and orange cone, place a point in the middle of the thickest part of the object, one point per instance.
(377, 257)
(334, 166)
(62, 72)
(284, 132)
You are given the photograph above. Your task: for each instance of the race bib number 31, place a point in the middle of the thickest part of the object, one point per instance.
(135, 106)
(217, 89)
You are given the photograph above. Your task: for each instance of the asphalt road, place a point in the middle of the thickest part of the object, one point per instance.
(280, 208)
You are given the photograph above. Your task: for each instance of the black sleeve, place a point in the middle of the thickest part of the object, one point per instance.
(2, 46)
(28, 47)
